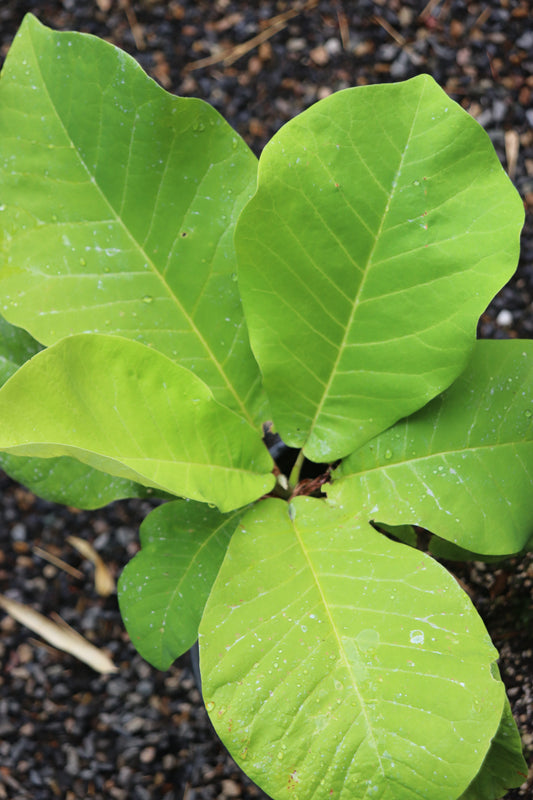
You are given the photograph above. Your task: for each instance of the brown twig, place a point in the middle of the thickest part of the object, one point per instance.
(309, 486)
(231, 55)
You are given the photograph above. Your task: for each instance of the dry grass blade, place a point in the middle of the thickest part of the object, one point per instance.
(57, 562)
(393, 33)
(136, 29)
(428, 9)
(231, 55)
(61, 636)
(415, 58)
(483, 17)
(344, 29)
(103, 580)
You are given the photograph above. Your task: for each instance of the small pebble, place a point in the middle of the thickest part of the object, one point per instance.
(320, 56)
(504, 318)
(147, 755)
(230, 788)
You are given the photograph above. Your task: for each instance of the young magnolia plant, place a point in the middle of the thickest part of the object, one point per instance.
(165, 297)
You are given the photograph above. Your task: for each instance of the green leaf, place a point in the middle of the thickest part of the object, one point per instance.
(61, 480)
(120, 407)
(504, 767)
(119, 205)
(337, 663)
(462, 467)
(163, 589)
(382, 226)
(16, 347)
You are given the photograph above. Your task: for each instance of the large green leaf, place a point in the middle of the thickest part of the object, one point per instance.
(504, 767)
(163, 589)
(337, 663)
(123, 408)
(382, 226)
(61, 480)
(118, 208)
(461, 467)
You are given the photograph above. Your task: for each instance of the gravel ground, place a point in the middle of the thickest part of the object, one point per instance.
(66, 732)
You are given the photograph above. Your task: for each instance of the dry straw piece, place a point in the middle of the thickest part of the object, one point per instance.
(59, 634)
(104, 582)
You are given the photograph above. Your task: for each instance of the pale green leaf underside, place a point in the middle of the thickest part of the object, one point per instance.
(163, 590)
(504, 767)
(61, 480)
(382, 226)
(118, 207)
(337, 663)
(66, 480)
(120, 407)
(461, 467)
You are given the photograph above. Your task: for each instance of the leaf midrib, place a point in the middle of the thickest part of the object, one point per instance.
(341, 649)
(356, 301)
(411, 462)
(116, 218)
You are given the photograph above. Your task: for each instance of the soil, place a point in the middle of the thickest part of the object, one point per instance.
(66, 732)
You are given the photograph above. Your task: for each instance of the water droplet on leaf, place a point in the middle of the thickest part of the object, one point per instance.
(416, 637)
